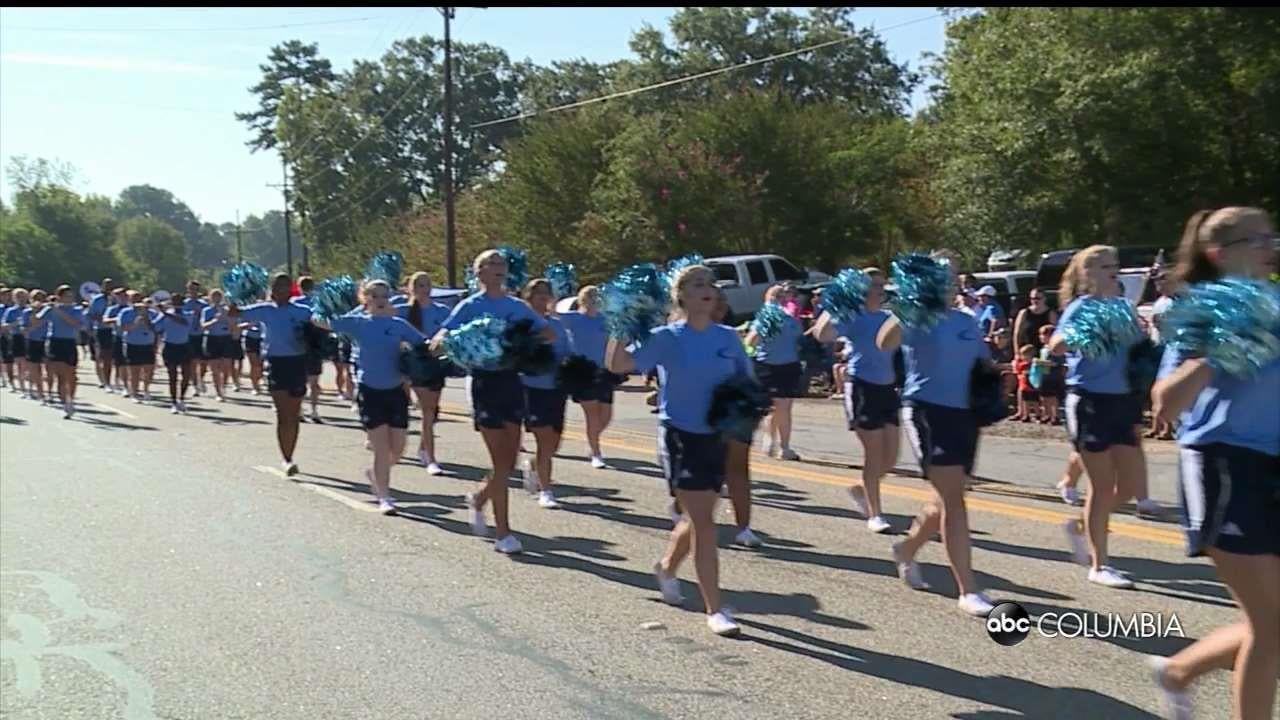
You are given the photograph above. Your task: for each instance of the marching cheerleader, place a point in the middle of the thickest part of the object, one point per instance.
(497, 397)
(544, 401)
(587, 331)
(777, 363)
(693, 356)
(103, 359)
(216, 324)
(12, 322)
(237, 356)
(282, 328)
(426, 317)
(871, 402)
(6, 342)
(251, 333)
(193, 307)
(315, 348)
(176, 328)
(384, 409)
(1229, 439)
(1102, 412)
(34, 333)
(119, 363)
(138, 323)
(942, 428)
(737, 463)
(65, 319)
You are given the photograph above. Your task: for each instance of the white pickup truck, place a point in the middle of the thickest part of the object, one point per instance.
(744, 279)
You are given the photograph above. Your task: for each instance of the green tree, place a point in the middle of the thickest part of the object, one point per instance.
(29, 255)
(81, 228)
(152, 254)
(291, 64)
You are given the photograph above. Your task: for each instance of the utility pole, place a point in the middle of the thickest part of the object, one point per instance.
(239, 241)
(450, 247)
(288, 237)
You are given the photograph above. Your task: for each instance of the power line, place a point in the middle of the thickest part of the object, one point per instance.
(238, 28)
(691, 78)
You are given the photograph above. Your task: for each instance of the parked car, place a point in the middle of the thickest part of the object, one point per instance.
(1012, 288)
(745, 278)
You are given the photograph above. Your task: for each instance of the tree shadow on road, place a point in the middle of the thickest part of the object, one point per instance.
(217, 418)
(113, 425)
(1025, 699)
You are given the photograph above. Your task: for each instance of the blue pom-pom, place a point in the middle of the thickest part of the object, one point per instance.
(477, 345)
(1102, 327)
(517, 268)
(634, 302)
(675, 266)
(335, 297)
(737, 407)
(563, 278)
(924, 290)
(473, 283)
(385, 266)
(769, 321)
(846, 295)
(1234, 324)
(245, 283)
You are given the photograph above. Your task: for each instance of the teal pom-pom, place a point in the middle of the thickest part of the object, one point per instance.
(385, 266)
(472, 282)
(563, 278)
(335, 297)
(737, 407)
(1102, 327)
(245, 283)
(1234, 324)
(846, 296)
(924, 290)
(477, 345)
(635, 302)
(517, 268)
(769, 321)
(675, 266)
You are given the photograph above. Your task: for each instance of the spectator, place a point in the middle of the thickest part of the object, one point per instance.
(990, 314)
(1054, 385)
(967, 301)
(1161, 429)
(1027, 395)
(1026, 327)
(1001, 347)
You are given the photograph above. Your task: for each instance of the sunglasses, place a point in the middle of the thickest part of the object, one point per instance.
(1257, 241)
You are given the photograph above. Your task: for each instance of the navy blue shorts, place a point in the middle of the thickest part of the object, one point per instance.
(105, 337)
(6, 350)
(286, 373)
(315, 364)
(117, 353)
(781, 381)
(35, 351)
(544, 408)
(253, 345)
(1230, 500)
(217, 347)
(691, 461)
(601, 391)
(175, 355)
(941, 436)
(868, 406)
(139, 355)
(18, 346)
(62, 350)
(383, 407)
(1097, 421)
(497, 399)
(197, 347)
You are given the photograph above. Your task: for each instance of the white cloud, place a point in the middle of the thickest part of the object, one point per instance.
(112, 63)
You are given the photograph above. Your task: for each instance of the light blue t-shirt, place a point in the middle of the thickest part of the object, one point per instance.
(561, 347)
(783, 348)
(98, 306)
(433, 316)
(867, 362)
(505, 307)
(282, 327)
(939, 361)
(988, 315)
(140, 335)
(1108, 375)
(1242, 413)
(379, 341)
(220, 329)
(175, 328)
(253, 330)
(59, 328)
(193, 308)
(12, 319)
(113, 313)
(588, 334)
(33, 332)
(690, 365)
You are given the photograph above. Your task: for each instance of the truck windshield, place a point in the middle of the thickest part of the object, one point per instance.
(724, 271)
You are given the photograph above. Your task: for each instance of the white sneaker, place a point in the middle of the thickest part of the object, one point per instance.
(290, 468)
(509, 545)
(770, 449)
(257, 392)
(182, 408)
(147, 397)
(1150, 509)
(434, 469)
(547, 500)
(859, 498)
(424, 458)
(173, 409)
(1069, 495)
(478, 526)
(878, 525)
(105, 388)
(668, 585)
(746, 538)
(976, 604)
(221, 399)
(1076, 542)
(723, 625)
(1108, 577)
(788, 454)
(368, 444)
(908, 570)
(315, 417)
(1177, 703)
(530, 477)
(386, 506)
(137, 400)
(598, 463)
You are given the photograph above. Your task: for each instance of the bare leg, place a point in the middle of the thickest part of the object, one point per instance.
(782, 420)
(288, 412)
(738, 477)
(430, 402)
(1099, 503)
(699, 507)
(503, 445)
(548, 442)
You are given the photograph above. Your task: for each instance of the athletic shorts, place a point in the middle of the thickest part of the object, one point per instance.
(868, 406)
(175, 355)
(197, 347)
(217, 347)
(497, 399)
(286, 373)
(314, 364)
(781, 381)
(235, 349)
(383, 407)
(1230, 500)
(62, 350)
(139, 355)
(544, 408)
(253, 345)
(35, 351)
(6, 350)
(941, 436)
(18, 346)
(105, 338)
(601, 391)
(1097, 421)
(691, 461)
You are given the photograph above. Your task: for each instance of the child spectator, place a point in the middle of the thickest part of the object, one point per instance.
(1027, 394)
(1054, 385)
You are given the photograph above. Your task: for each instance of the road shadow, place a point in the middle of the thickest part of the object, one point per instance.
(113, 425)
(6, 420)
(447, 502)
(630, 467)
(218, 418)
(1106, 630)
(1022, 698)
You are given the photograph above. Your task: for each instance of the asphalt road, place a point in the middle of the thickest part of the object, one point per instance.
(154, 566)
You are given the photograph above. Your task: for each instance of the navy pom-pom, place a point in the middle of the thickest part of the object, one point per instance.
(924, 290)
(524, 349)
(244, 283)
(1234, 324)
(986, 394)
(577, 374)
(769, 321)
(635, 302)
(387, 267)
(1143, 366)
(335, 297)
(1102, 327)
(477, 345)
(846, 295)
(737, 407)
(421, 367)
(563, 278)
(517, 267)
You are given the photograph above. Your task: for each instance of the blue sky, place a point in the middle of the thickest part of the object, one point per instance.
(134, 96)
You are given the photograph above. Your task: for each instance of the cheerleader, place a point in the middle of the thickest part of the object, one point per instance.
(384, 409)
(777, 364)
(111, 319)
(12, 323)
(282, 330)
(497, 397)
(943, 432)
(693, 356)
(1102, 416)
(587, 332)
(193, 307)
(871, 403)
(6, 343)
(175, 326)
(236, 348)
(138, 323)
(65, 319)
(544, 401)
(737, 463)
(251, 334)
(426, 317)
(216, 324)
(103, 359)
(34, 332)
(315, 348)
(1229, 440)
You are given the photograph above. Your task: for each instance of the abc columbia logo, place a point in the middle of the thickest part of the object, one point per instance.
(1009, 624)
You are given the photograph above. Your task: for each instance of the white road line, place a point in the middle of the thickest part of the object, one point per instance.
(327, 492)
(117, 411)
